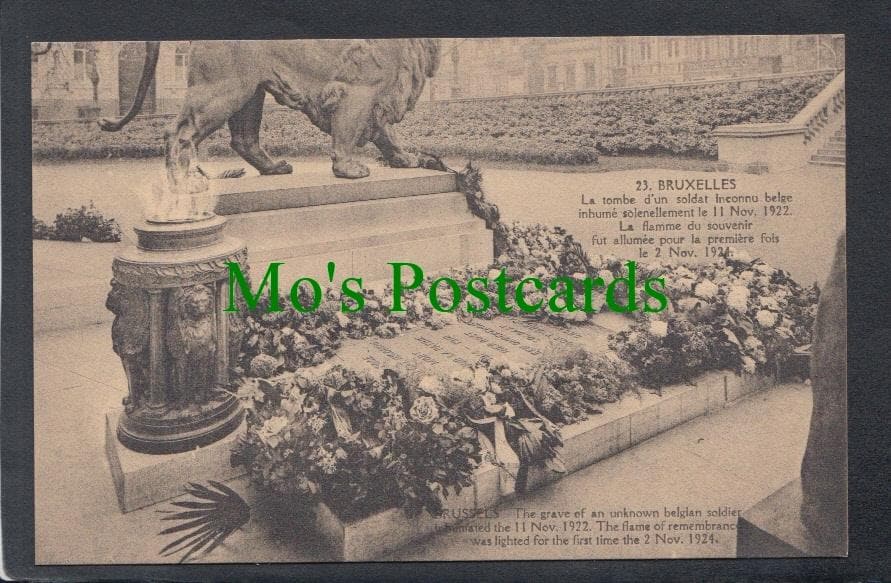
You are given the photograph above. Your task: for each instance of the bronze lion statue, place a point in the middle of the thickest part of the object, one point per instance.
(353, 90)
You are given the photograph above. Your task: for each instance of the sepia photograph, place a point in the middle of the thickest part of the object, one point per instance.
(439, 299)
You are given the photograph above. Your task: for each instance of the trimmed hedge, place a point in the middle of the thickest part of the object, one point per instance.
(566, 129)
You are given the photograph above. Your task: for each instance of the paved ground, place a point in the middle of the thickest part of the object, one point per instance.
(734, 458)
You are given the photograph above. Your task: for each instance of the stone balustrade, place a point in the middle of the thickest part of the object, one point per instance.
(823, 109)
(784, 146)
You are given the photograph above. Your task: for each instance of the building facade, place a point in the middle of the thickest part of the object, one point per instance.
(516, 66)
(84, 80)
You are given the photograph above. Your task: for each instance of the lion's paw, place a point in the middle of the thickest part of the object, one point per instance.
(403, 160)
(350, 169)
(280, 167)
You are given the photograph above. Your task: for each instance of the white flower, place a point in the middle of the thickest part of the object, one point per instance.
(274, 425)
(770, 303)
(480, 379)
(424, 409)
(705, 289)
(489, 399)
(752, 343)
(749, 365)
(738, 298)
(430, 384)
(463, 375)
(766, 318)
(658, 328)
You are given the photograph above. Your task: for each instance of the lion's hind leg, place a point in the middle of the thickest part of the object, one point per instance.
(392, 151)
(244, 126)
(207, 107)
(348, 126)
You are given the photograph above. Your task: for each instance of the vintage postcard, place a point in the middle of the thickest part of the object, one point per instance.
(439, 299)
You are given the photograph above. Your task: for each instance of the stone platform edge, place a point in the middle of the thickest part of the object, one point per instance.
(142, 479)
(624, 424)
(266, 193)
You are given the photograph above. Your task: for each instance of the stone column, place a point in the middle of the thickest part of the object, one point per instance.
(156, 376)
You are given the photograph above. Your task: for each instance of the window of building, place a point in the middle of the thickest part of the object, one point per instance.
(646, 52)
(79, 58)
(552, 77)
(181, 64)
(500, 86)
(590, 75)
(569, 83)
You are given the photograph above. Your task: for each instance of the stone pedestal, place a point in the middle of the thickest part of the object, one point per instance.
(141, 480)
(773, 529)
(168, 295)
(310, 218)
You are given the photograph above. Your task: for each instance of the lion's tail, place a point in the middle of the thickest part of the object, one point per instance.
(152, 48)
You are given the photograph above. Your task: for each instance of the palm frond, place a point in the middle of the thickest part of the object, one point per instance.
(216, 512)
(231, 173)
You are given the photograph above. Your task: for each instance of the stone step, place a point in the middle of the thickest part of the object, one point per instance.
(395, 215)
(266, 193)
(831, 152)
(837, 140)
(468, 244)
(329, 222)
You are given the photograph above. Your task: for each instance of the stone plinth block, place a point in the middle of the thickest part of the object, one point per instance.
(144, 479)
(306, 220)
(636, 418)
(305, 189)
(366, 538)
(773, 528)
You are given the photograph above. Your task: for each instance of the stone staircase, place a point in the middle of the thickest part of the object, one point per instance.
(833, 151)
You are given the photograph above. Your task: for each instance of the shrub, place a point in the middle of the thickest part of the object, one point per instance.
(562, 129)
(78, 224)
